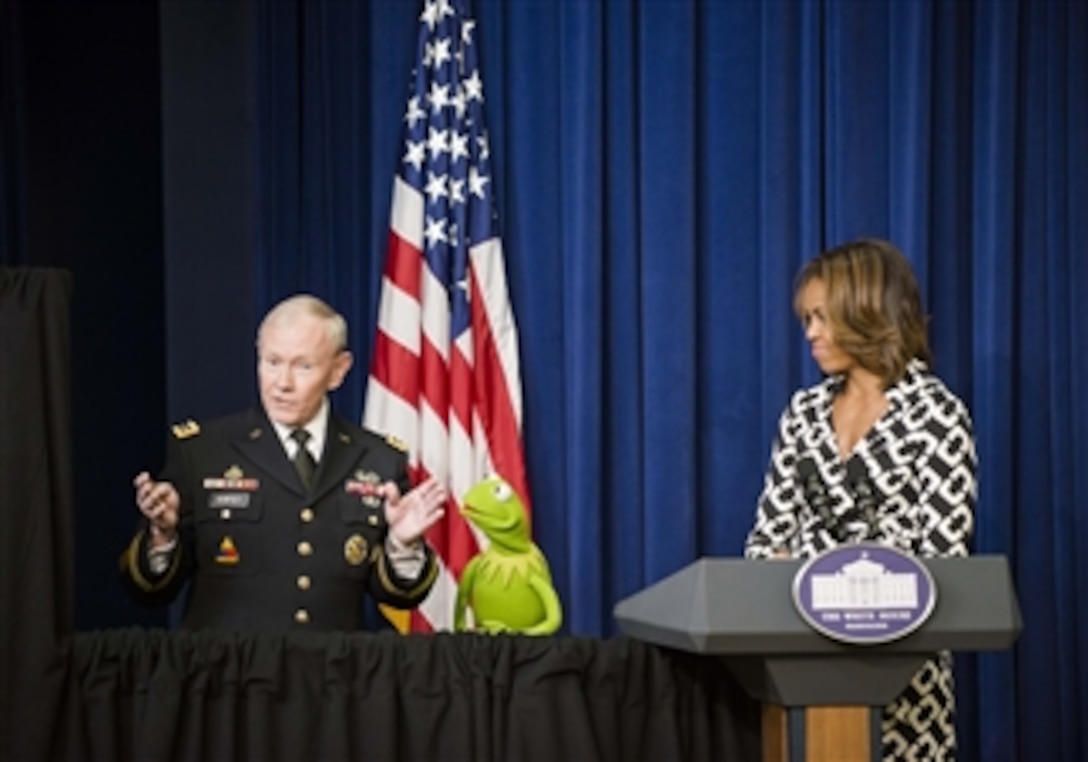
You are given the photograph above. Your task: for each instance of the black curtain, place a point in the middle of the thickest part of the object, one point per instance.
(36, 588)
(81, 189)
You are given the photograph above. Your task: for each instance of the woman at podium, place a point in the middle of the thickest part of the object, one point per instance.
(880, 451)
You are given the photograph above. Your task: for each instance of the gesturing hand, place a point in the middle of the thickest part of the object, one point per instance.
(411, 515)
(159, 502)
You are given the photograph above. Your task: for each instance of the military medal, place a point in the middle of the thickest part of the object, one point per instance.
(232, 478)
(367, 485)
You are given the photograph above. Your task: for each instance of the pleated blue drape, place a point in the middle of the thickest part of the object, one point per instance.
(663, 169)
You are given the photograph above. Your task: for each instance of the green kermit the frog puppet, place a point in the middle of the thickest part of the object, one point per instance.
(508, 586)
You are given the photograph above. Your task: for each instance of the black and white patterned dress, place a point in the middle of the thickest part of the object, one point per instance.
(920, 455)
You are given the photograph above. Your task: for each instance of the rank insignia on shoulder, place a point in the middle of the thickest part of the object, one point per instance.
(397, 443)
(189, 428)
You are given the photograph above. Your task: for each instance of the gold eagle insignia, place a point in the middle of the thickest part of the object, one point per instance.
(397, 443)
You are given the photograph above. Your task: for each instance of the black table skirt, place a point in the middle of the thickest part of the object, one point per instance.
(153, 695)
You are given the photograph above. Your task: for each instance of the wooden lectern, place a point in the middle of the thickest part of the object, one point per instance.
(822, 699)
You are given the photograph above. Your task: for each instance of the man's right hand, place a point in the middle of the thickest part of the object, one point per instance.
(159, 502)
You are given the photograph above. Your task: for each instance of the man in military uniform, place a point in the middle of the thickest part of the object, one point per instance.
(282, 517)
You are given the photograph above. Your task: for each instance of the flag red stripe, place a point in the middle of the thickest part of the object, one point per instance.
(396, 368)
(493, 404)
(433, 378)
(403, 265)
(420, 623)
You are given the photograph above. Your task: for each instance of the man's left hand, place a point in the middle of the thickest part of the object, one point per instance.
(411, 515)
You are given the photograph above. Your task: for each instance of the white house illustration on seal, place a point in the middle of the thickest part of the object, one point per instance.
(864, 584)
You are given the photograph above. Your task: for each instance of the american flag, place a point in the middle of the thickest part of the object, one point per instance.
(444, 377)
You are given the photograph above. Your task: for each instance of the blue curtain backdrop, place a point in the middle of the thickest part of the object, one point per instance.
(663, 168)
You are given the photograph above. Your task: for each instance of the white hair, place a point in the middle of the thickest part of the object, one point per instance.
(306, 304)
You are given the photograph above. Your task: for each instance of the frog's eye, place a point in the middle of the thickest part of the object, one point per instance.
(502, 491)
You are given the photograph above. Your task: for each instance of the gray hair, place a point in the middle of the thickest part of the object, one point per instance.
(306, 304)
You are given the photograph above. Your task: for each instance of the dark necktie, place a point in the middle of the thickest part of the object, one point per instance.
(304, 461)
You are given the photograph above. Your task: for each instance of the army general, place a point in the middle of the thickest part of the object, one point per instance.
(284, 516)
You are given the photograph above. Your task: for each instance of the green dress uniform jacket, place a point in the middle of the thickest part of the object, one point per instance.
(263, 553)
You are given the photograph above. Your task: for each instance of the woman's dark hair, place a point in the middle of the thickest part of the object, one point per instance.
(874, 308)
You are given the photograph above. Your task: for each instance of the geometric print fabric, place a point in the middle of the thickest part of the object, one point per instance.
(919, 461)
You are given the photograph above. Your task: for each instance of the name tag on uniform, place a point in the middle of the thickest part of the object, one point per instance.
(228, 500)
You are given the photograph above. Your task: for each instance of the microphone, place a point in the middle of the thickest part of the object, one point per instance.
(815, 492)
(866, 497)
